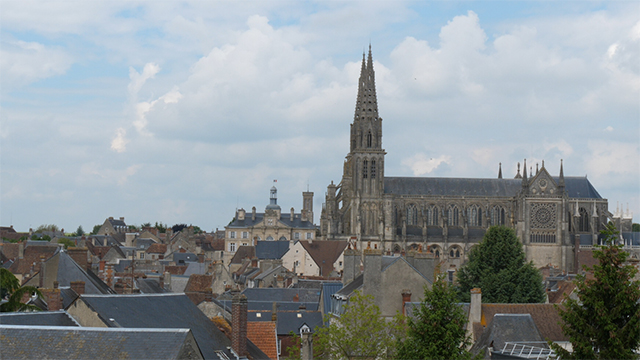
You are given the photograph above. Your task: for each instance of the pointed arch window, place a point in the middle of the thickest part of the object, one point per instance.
(369, 140)
(365, 169)
(373, 169)
(497, 216)
(412, 215)
(475, 215)
(453, 216)
(583, 223)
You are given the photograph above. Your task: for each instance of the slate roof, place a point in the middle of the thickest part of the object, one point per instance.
(63, 269)
(282, 295)
(164, 311)
(324, 253)
(263, 335)
(348, 289)
(53, 342)
(196, 268)
(183, 258)
(545, 316)
(149, 286)
(285, 218)
(271, 249)
(329, 289)
(38, 318)
(289, 321)
(504, 328)
(576, 187)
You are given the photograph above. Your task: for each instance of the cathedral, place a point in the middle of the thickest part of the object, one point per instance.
(552, 214)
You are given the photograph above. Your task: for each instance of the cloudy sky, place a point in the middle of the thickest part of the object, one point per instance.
(181, 112)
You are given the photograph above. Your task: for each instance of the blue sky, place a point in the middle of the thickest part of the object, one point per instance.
(180, 112)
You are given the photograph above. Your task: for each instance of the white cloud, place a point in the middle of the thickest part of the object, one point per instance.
(22, 63)
(612, 158)
(119, 142)
(138, 79)
(421, 164)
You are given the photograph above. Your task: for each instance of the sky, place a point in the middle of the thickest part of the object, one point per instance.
(182, 112)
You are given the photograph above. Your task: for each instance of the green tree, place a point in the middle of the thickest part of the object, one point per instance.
(498, 266)
(436, 330)
(47, 227)
(11, 291)
(360, 333)
(96, 228)
(161, 228)
(635, 227)
(80, 231)
(604, 323)
(66, 242)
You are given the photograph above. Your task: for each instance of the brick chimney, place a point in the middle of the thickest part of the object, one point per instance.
(79, 255)
(21, 250)
(406, 297)
(41, 277)
(77, 286)
(53, 299)
(239, 324)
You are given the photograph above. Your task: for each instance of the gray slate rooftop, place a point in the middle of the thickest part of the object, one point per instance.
(53, 342)
(576, 187)
(38, 318)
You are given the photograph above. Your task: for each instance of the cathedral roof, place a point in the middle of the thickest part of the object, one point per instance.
(452, 186)
(576, 187)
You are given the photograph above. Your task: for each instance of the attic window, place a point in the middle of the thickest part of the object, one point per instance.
(299, 315)
(258, 315)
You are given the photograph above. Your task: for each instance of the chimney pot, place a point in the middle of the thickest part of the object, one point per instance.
(78, 287)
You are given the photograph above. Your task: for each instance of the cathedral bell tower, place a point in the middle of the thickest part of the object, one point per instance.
(363, 178)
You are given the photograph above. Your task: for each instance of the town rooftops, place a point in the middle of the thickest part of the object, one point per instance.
(38, 318)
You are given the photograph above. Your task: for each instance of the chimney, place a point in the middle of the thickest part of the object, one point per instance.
(53, 299)
(406, 297)
(79, 255)
(292, 214)
(42, 272)
(241, 214)
(475, 308)
(102, 265)
(306, 351)
(274, 312)
(21, 249)
(121, 218)
(239, 325)
(351, 265)
(254, 262)
(78, 287)
(167, 281)
(208, 295)
(372, 268)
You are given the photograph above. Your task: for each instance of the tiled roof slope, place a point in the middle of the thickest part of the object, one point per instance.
(163, 311)
(242, 253)
(545, 316)
(38, 318)
(53, 342)
(263, 335)
(324, 253)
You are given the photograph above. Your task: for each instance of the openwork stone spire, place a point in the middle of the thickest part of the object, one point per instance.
(367, 102)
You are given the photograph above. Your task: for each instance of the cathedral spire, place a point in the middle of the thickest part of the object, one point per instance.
(561, 177)
(366, 103)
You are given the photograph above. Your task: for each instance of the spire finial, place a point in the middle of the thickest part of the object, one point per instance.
(524, 170)
(561, 177)
(500, 171)
(518, 176)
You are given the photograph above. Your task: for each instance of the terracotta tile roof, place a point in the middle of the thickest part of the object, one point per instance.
(242, 253)
(9, 250)
(32, 255)
(199, 283)
(175, 270)
(564, 287)
(545, 316)
(324, 253)
(157, 249)
(585, 258)
(263, 335)
(99, 251)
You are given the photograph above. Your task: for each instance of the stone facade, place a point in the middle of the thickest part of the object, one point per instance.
(247, 229)
(552, 214)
